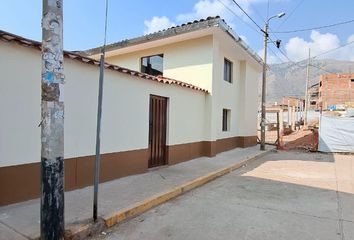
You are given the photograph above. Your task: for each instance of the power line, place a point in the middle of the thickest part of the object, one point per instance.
(333, 49)
(276, 55)
(318, 67)
(323, 53)
(256, 30)
(301, 65)
(315, 28)
(295, 63)
(291, 13)
(256, 11)
(238, 5)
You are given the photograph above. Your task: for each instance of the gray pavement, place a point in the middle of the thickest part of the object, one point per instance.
(19, 221)
(286, 195)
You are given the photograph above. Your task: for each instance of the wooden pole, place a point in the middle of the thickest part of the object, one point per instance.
(52, 124)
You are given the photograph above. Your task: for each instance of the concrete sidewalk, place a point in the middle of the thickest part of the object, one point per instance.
(124, 197)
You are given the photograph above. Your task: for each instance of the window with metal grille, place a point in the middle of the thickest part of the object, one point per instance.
(227, 70)
(226, 119)
(152, 65)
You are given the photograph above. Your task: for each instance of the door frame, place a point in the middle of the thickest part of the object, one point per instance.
(157, 141)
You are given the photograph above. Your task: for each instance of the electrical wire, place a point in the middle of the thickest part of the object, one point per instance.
(315, 28)
(333, 49)
(291, 13)
(256, 11)
(318, 67)
(296, 63)
(238, 5)
(228, 8)
(273, 33)
(277, 56)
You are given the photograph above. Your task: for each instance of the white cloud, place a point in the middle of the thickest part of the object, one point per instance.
(203, 9)
(297, 48)
(349, 50)
(206, 8)
(350, 38)
(157, 23)
(320, 44)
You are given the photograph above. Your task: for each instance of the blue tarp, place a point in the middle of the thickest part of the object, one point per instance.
(336, 134)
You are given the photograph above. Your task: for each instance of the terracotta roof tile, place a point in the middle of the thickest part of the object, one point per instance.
(9, 37)
(175, 30)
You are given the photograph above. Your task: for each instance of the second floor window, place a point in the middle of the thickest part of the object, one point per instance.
(152, 65)
(227, 70)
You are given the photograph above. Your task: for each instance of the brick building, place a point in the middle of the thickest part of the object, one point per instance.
(335, 89)
(313, 96)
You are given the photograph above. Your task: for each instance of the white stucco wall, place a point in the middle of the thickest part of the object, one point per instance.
(188, 61)
(125, 109)
(193, 116)
(240, 96)
(225, 94)
(251, 102)
(20, 103)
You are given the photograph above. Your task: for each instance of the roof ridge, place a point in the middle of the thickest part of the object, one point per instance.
(179, 29)
(148, 36)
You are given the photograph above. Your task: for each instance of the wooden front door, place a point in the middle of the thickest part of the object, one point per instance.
(157, 131)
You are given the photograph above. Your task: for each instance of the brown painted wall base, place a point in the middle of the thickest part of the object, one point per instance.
(22, 182)
(184, 152)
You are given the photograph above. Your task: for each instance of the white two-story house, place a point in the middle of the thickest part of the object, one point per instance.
(181, 93)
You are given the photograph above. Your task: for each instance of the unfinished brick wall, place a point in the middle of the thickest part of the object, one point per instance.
(336, 89)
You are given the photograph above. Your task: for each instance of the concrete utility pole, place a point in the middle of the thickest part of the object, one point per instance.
(96, 177)
(264, 79)
(263, 113)
(307, 90)
(52, 124)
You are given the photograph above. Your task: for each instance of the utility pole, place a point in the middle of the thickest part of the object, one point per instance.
(52, 124)
(264, 79)
(96, 177)
(263, 113)
(307, 88)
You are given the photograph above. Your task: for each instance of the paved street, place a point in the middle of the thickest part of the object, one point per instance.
(287, 195)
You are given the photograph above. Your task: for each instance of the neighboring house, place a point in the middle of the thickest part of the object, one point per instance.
(313, 96)
(292, 102)
(335, 90)
(197, 97)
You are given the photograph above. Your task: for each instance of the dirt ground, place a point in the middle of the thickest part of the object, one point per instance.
(303, 139)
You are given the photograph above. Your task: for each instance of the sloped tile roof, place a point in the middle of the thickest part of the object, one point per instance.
(176, 30)
(9, 37)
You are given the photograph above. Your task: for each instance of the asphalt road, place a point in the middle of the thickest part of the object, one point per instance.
(288, 195)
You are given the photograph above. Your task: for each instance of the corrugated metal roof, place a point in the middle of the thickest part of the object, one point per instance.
(9, 37)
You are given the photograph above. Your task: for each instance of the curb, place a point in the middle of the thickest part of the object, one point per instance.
(85, 230)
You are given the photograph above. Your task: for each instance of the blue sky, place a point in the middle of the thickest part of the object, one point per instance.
(84, 20)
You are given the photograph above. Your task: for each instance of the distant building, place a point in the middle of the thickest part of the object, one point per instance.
(292, 101)
(335, 90)
(313, 96)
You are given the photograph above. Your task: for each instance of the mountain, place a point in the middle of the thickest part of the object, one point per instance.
(288, 79)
